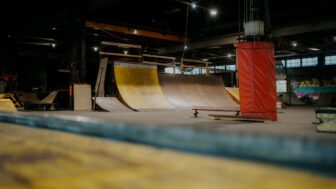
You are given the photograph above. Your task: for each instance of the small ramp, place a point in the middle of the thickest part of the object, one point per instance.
(26, 97)
(31, 102)
(50, 98)
(139, 86)
(111, 104)
(11, 97)
(6, 105)
(234, 93)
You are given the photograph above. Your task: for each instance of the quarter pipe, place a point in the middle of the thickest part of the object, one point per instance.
(139, 86)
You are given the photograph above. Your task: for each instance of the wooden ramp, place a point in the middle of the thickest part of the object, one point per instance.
(186, 92)
(111, 104)
(50, 98)
(26, 97)
(34, 104)
(41, 159)
(7, 105)
(139, 86)
(234, 93)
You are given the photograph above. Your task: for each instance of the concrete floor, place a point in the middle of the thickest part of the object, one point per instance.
(292, 121)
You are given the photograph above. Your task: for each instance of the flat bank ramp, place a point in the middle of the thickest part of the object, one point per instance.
(111, 104)
(234, 93)
(139, 86)
(185, 91)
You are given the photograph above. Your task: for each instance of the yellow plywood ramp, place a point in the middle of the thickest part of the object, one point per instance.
(7, 105)
(234, 93)
(139, 86)
(42, 159)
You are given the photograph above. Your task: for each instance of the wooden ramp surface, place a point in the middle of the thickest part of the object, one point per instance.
(50, 98)
(82, 97)
(234, 93)
(42, 159)
(7, 105)
(111, 104)
(139, 86)
(186, 92)
(26, 97)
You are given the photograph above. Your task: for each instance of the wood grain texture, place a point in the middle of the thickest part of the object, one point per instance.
(187, 91)
(82, 97)
(7, 105)
(100, 82)
(234, 93)
(139, 86)
(111, 104)
(42, 159)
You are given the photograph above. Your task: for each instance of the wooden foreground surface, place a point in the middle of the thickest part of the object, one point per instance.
(36, 158)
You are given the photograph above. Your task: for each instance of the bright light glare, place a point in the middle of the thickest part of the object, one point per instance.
(213, 12)
(193, 5)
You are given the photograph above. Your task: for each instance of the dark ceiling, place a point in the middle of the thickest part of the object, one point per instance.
(24, 19)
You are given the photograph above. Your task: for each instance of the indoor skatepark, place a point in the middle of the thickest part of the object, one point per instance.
(142, 88)
(105, 99)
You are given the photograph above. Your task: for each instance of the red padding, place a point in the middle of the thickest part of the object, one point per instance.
(256, 72)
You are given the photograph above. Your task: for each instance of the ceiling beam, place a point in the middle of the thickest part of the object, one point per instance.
(134, 31)
(304, 28)
(233, 38)
(217, 41)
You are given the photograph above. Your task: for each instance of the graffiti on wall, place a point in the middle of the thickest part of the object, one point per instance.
(313, 87)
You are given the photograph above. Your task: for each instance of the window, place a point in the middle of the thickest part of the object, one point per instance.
(231, 67)
(293, 63)
(170, 70)
(222, 67)
(283, 62)
(309, 62)
(198, 71)
(330, 60)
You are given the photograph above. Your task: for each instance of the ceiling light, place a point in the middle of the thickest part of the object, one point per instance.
(53, 28)
(53, 45)
(125, 52)
(229, 55)
(135, 31)
(213, 12)
(193, 5)
(95, 49)
(205, 59)
(314, 49)
(334, 37)
(294, 44)
(185, 47)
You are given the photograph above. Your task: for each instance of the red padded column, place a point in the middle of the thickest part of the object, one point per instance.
(256, 72)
